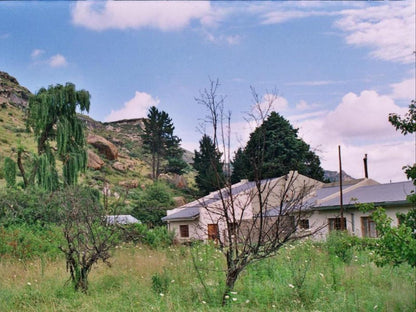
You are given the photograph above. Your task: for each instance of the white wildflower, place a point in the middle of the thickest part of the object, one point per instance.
(321, 274)
(172, 281)
(234, 299)
(291, 286)
(375, 307)
(29, 283)
(247, 301)
(204, 302)
(233, 292)
(161, 294)
(227, 297)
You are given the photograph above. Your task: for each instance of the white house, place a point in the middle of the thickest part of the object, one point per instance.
(203, 219)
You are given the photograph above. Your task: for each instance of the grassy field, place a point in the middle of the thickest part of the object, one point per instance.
(304, 277)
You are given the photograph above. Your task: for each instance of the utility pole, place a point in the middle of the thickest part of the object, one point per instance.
(340, 190)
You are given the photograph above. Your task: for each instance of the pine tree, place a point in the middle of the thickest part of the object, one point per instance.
(274, 149)
(159, 140)
(207, 162)
(52, 116)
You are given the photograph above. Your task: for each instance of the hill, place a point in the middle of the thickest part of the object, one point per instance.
(116, 158)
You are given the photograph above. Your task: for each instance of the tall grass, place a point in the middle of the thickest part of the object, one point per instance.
(302, 277)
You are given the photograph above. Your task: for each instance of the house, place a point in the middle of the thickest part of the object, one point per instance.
(208, 218)
(390, 196)
(318, 202)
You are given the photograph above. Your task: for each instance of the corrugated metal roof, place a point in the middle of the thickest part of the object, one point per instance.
(379, 193)
(121, 219)
(183, 214)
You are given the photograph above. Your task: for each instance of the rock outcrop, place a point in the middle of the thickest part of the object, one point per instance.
(12, 92)
(94, 161)
(105, 147)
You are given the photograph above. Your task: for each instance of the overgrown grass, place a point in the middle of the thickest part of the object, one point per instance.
(302, 277)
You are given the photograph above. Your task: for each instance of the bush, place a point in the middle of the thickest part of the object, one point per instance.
(29, 206)
(340, 244)
(26, 242)
(140, 233)
(150, 205)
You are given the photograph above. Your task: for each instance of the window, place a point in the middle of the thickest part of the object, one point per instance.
(184, 230)
(304, 224)
(336, 224)
(368, 227)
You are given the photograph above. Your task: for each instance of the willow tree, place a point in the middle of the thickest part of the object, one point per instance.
(52, 114)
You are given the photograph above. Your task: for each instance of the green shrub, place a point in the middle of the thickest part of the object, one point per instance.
(26, 242)
(140, 233)
(9, 169)
(160, 283)
(340, 244)
(150, 204)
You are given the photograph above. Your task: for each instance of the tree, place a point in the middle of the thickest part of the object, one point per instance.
(207, 163)
(275, 146)
(407, 125)
(158, 139)
(276, 206)
(398, 244)
(88, 237)
(52, 114)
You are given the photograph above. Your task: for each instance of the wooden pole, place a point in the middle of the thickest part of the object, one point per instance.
(340, 190)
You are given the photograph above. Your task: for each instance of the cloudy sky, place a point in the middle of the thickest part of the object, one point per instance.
(338, 68)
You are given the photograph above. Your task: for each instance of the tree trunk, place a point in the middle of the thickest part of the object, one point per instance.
(231, 278)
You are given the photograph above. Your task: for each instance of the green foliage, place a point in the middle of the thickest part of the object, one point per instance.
(274, 149)
(157, 237)
(9, 170)
(340, 244)
(29, 241)
(159, 141)
(160, 283)
(395, 245)
(52, 114)
(150, 204)
(207, 162)
(29, 206)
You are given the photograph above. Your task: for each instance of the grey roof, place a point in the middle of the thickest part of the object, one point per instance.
(378, 194)
(190, 211)
(183, 214)
(121, 219)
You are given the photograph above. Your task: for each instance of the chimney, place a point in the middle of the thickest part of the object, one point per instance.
(365, 167)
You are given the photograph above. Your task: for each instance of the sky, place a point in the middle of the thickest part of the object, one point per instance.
(335, 70)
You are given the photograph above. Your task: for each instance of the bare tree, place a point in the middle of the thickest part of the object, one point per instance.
(254, 219)
(88, 236)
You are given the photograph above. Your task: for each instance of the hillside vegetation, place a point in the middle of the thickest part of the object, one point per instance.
(129, 169)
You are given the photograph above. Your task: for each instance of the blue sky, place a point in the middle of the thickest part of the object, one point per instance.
(336, 69)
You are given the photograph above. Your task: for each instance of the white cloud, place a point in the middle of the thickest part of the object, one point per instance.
(405, 89)
(363, 116)
(57, 60)
(37, 53)
(389, 30)
(359, 124)
(281, 16)
(162, 15)
(137, 107)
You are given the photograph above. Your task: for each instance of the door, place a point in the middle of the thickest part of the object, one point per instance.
(213, 233)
